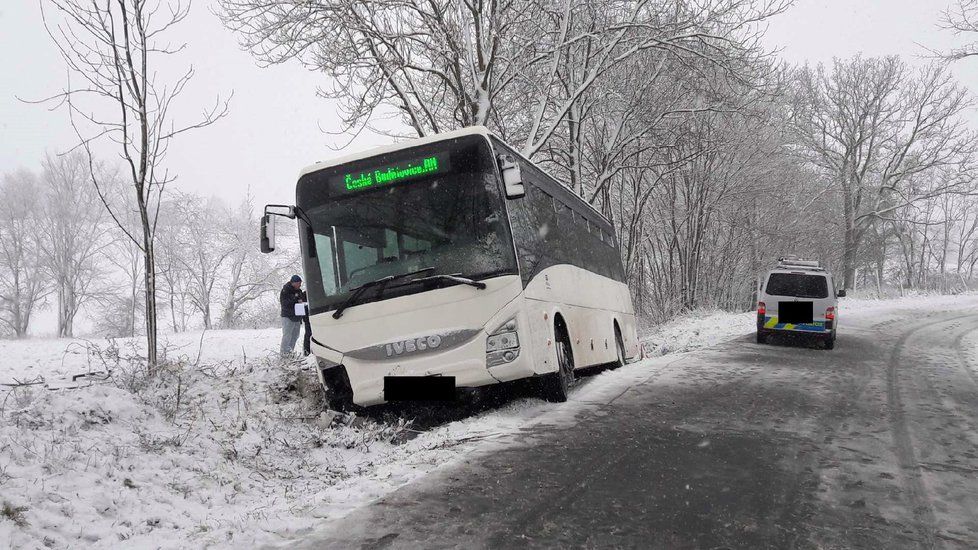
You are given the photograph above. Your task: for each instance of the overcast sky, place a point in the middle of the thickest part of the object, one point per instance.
(273, 129)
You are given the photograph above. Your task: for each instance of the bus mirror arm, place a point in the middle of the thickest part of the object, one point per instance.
(512, 177)
(267, 233)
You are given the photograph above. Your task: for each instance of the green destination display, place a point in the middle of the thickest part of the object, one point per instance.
(389, 174)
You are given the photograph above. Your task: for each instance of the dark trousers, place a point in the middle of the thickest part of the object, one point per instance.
(307, 337)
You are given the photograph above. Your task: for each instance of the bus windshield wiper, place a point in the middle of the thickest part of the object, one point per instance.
(455, 278)
(378, 283)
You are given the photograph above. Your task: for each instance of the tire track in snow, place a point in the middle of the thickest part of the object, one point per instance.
(962, 358)
(920, 505)
(910, 469)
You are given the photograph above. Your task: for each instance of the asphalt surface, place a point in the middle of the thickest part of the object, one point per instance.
(871, 445)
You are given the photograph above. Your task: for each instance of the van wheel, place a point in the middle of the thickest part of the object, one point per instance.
(556, 385)
(830, 342)
(619, 349)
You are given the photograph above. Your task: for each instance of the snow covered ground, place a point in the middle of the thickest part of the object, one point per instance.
(226, 446)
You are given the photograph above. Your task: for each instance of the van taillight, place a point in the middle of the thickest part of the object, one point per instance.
(830, 314)
(761, 309)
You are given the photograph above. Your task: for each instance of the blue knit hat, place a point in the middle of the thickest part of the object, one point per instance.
(295, 279)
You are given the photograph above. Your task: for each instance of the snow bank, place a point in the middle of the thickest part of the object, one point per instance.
(699, 329)
(200, 455)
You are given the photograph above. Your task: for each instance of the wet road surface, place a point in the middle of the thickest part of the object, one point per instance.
(871, 445)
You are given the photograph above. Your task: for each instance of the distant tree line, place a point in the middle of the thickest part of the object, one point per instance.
(60, 249)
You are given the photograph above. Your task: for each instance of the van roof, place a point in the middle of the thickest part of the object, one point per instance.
(795, 261)
(799, 270)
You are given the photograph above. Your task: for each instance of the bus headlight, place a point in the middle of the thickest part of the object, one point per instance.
(503, 345)
(503, 340)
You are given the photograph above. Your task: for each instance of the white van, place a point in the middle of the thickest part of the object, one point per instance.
(798, 296)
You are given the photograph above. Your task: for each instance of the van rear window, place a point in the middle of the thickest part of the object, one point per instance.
(797, 285)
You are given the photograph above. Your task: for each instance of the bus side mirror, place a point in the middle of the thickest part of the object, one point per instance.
(512, 177)
(842, 293)
(267, 236)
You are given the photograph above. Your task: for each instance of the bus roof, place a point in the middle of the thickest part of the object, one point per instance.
(384, 149)
(406, 144)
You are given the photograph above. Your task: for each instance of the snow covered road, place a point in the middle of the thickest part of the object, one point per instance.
(872, 445)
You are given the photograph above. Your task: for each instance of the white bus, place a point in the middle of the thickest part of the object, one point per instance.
(453, 262)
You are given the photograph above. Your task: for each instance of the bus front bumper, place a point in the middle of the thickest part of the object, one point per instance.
(466, 363)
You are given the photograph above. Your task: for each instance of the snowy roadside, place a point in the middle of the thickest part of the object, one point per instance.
(226, 447)
(695, 330)
(699, 329)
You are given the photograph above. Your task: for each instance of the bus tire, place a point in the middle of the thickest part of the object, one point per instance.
(619, 349)
(556, 385)
(339, 392)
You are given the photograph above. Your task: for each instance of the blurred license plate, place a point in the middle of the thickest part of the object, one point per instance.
(794, 312)
(419, 388)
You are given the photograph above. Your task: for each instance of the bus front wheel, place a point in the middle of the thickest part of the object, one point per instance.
(556, 385)
(337, 388)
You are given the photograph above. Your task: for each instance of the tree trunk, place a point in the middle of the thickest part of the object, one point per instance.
(149, 264)
(849, 243)
(173, 310)
(61, 309)
(67, 309)
(208, 324)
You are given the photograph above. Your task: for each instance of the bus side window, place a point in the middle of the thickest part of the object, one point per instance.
(589, 262)
(546, 218)
(565, 245)
(613, 254)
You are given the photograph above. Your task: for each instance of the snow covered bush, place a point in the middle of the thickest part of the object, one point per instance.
(196, 454)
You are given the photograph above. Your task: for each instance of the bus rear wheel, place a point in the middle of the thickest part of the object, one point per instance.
(620, 349)
(556, 385)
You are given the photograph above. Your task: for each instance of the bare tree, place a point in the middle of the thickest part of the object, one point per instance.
(111, 48)
(876, 127)
(170, 251)
(73, 235)
(204, 239)
(23, 282)
(122, 309)
(445, 64)
(962, 19)
(248, 274)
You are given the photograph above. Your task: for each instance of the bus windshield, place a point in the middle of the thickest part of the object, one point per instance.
(436, 207)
